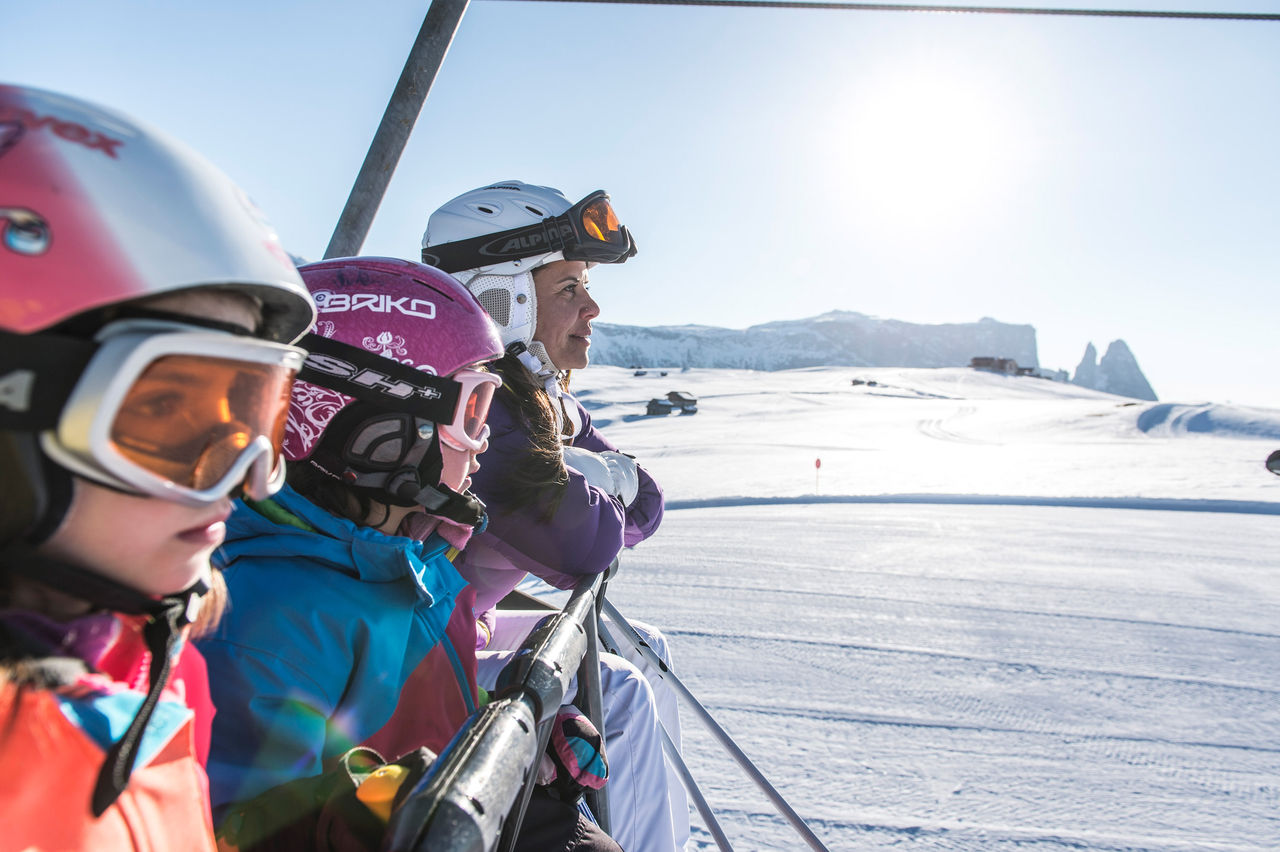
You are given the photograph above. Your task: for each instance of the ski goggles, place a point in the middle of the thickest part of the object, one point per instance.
(173, 410)
(468, 430)
(587, 231)
(457, 404)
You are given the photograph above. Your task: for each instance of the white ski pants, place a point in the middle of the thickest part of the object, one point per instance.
(648, 807)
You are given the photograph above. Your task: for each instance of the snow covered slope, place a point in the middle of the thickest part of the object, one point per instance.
(919, 431)
(996, 635)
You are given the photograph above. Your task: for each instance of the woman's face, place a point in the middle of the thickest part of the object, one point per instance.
(564, 313)
(152, 545)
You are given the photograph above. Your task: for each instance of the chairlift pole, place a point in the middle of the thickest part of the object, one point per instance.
(677, 763)
(721, 735)
(592, 699)
(420, 69)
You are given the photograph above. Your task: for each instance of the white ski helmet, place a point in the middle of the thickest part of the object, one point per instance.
(493, 238)
(96, 209)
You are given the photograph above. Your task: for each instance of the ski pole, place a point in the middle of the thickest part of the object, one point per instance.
(713, 726)
(681, 768)
(592, 703)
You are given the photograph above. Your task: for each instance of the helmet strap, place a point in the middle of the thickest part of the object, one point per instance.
(411, 480)
(535, 359)
(39, 490)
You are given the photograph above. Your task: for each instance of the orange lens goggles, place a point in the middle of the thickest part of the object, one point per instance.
(189, 419)
(599, 220)
(177, 411)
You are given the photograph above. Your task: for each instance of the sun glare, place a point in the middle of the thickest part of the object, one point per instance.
(928, 148)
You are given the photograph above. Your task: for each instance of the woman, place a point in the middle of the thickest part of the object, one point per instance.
(375, 642)
(143, 379)
(562, 500)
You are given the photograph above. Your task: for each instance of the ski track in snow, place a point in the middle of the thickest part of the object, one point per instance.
(1018, 615)
(918, 701)
(1165, 504)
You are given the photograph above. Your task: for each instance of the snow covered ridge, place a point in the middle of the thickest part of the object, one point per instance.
(846, 338)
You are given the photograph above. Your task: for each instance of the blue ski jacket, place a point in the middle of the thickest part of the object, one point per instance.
(327, 621)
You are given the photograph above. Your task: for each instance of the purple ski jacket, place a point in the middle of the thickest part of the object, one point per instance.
(588, 530)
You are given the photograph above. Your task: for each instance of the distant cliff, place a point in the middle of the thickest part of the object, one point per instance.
(1118, 372)
(835, 338)
(845, 338)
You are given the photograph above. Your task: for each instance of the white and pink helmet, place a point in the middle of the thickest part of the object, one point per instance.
(86, 188)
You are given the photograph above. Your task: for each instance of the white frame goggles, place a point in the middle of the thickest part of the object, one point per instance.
(84, 442)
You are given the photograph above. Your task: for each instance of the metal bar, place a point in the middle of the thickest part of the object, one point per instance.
(462, 804)
(515, 817)
(420, 69)
(591, 702)
(918, 7)
(682, 769)
(718, 732)
(695, 792)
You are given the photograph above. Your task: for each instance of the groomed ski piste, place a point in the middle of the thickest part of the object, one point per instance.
(1004, 613)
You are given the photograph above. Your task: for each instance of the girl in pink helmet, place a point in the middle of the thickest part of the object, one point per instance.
(351, 627)
(145, 317)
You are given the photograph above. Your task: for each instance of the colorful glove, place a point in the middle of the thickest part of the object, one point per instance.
(576, 752)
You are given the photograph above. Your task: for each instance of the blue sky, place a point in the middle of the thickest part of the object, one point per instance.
(1096, 178)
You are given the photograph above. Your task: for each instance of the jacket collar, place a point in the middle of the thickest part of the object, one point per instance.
(338, 544)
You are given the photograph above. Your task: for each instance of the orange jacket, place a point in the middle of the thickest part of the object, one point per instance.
(52, 745)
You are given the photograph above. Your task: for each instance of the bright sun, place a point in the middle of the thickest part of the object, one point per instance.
(927, 148)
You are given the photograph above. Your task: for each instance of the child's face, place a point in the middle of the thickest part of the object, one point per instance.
(155, 546)
(458, 466)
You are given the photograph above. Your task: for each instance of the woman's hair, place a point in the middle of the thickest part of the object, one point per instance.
(537, 479)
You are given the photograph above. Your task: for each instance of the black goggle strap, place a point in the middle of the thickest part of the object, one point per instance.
(167, 616)
(38, 374)
(555, 233)
(380, 381)
(546, 236)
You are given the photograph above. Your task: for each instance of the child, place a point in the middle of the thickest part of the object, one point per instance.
(144, 312)
(343, 583)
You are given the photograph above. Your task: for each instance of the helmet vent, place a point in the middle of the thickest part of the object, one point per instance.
(497, 304)
(487, 210)
(535, 211)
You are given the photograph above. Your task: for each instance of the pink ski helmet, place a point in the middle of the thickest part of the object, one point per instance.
(398, 310)
(389, 377)
(98, 212)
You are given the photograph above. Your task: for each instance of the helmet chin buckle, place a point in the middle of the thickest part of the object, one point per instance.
(439, 499)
